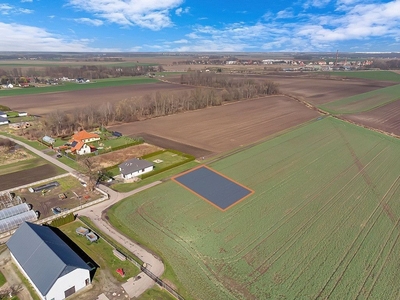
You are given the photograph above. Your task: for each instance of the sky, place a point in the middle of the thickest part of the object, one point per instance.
(200, 25)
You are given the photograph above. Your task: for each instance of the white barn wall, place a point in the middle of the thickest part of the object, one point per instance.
(75, 278)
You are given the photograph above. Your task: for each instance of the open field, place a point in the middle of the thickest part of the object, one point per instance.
(45, 103)
(119, 156)
(374, 75)
(363, 102)
(323, 221)
(223, 128)
(386, 118)
(73, 86)
(27, 176)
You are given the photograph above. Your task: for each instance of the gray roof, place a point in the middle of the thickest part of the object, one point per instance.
(43, 255)
(133, 165)
(2, 119)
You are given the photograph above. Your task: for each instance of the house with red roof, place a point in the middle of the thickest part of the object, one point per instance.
(79, 142)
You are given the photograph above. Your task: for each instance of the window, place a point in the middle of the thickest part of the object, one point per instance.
(87, 281)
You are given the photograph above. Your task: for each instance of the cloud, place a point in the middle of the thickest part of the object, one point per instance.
(93, 22)
(316, 3)
(151, 14)
(6, 9)
(284, 14)
(17, 37)
(23, 1)
(180, 11)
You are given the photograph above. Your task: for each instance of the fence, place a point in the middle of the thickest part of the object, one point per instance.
(137, 262)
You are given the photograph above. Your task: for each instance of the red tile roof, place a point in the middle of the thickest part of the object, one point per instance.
(83, 135)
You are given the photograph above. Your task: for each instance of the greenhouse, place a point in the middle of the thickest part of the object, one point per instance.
(16, 220)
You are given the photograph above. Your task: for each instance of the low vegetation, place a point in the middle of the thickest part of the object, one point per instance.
(373, 75)
(324, 209)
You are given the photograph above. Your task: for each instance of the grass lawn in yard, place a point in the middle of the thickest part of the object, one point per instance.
(156, 293)
(101, 252)
(165, 159)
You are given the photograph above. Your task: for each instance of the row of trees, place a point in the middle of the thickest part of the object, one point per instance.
(89, 71)
(60, 123)
(237, 87)
(393, 64)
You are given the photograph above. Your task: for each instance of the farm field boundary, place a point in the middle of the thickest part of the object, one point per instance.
(374, 75)
(363, 102)
(322, 218)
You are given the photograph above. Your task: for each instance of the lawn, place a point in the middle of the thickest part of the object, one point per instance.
(22, 165)
(100, 252)
(72, 86)
(374, 75)
(363, 102)
(34, 144)
(2, 279)
(322, 223)
(165, 159)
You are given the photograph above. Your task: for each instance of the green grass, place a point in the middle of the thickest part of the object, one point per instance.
(22, 165)
(34, 144)
(127, 187)
(168, 158)
(156, 293)
(375, 75)
(113, 142)
(322, 222)
(67, 183)
(363, 102)
(2, 279)
(72, 86)
(100, 252)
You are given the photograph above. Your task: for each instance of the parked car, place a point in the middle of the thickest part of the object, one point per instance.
(116, 133)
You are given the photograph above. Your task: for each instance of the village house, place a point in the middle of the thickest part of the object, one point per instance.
(79, 142)
(135, 167)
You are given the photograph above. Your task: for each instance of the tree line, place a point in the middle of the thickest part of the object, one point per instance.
(393, 64)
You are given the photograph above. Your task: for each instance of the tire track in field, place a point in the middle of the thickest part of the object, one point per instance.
(362, 241)
(384, 263)
(380, 252)
(352, 244)
(302, 205)
(386, 208)
(318, 213)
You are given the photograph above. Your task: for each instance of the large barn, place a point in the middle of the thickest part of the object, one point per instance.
(51, 266)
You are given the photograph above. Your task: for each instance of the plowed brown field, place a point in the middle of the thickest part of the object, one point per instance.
(386, 118)
(222, 128)
(41, 104)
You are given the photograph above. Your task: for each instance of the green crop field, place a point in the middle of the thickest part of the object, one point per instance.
(73, 86)
(363, 102)
(323, 221)
(375, 75)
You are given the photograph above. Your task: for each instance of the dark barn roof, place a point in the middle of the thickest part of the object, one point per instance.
(43, 255)
(134, 165)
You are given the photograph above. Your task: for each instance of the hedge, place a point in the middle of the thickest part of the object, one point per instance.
(62, 220)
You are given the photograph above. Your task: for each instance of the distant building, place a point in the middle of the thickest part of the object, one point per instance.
(135, 167)
(51, 266)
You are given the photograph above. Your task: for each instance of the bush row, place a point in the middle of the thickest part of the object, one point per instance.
(62, 220)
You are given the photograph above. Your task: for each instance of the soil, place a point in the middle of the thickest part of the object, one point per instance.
(42, 104)
(386, 118)
(23, 177)
(119, 156)
(223, 128)
(8, 156)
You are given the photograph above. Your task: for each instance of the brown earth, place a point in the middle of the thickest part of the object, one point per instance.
(41, 104)
(23, 177)
(223, 128)
(119, 156)
(385, 118)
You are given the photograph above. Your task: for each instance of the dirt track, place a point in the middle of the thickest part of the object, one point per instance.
(223, 128)
(44, 103)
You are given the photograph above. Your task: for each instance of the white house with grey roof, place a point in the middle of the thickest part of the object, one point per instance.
(135, 167)
(51, 266)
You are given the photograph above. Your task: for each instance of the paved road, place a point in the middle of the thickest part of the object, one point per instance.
(154, 264)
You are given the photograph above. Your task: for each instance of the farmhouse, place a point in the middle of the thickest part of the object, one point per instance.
(50, 265)
(3, 121)
(135, 167)
(85, 137)
(81, 148)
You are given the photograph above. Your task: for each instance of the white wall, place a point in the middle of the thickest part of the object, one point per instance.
(75, 278)
(137, 173)
(90, 140)
(84, 150)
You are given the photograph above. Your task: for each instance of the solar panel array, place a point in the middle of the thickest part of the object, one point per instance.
(16, 220)
(14, 210)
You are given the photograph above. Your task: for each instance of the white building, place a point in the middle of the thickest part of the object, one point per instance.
(135, 167)
(50, 265)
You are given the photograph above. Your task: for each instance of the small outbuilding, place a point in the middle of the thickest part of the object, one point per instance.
(49, 140)
(3, 121)
(51, 266)
(135, 167)
(3, 114)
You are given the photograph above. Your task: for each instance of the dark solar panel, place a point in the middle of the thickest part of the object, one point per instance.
(214, 187)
